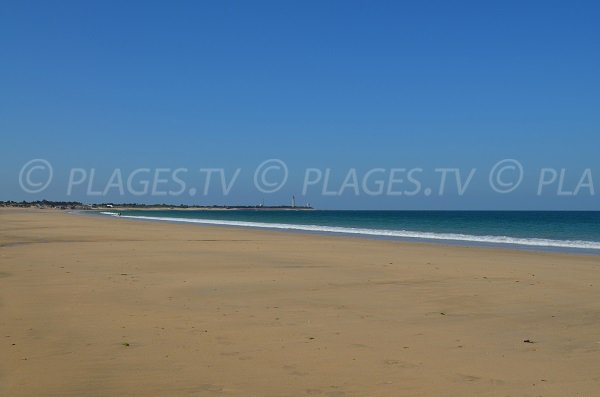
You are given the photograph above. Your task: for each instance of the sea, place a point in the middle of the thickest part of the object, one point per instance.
(567, 231)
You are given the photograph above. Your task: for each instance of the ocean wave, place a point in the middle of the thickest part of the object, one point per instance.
(404, 234)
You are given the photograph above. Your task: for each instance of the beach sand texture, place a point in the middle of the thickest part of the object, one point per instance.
(93, 306)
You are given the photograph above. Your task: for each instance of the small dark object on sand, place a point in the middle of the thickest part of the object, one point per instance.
(528, 341)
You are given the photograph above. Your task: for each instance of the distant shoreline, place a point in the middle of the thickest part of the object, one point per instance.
(211, 208)
(75, 205)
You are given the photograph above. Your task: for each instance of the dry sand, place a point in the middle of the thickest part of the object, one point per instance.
(94, 306)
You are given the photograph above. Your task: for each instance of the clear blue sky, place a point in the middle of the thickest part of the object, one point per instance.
(317, 84)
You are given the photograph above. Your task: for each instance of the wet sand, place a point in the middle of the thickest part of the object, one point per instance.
(94, 306)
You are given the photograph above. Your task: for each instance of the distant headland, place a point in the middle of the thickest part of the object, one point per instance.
(75, 205)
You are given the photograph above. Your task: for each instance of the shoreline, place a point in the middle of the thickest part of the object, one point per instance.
(533, 245)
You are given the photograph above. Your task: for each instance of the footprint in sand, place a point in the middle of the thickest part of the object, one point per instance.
(211, 388)
(313, 392)
(398, 363)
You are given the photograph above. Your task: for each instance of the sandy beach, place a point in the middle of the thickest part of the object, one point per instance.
(93, 306)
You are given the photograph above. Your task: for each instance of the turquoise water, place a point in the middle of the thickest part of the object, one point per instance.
(534, 229)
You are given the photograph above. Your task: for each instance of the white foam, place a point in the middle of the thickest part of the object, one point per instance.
(110, 213)
(532, 242)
